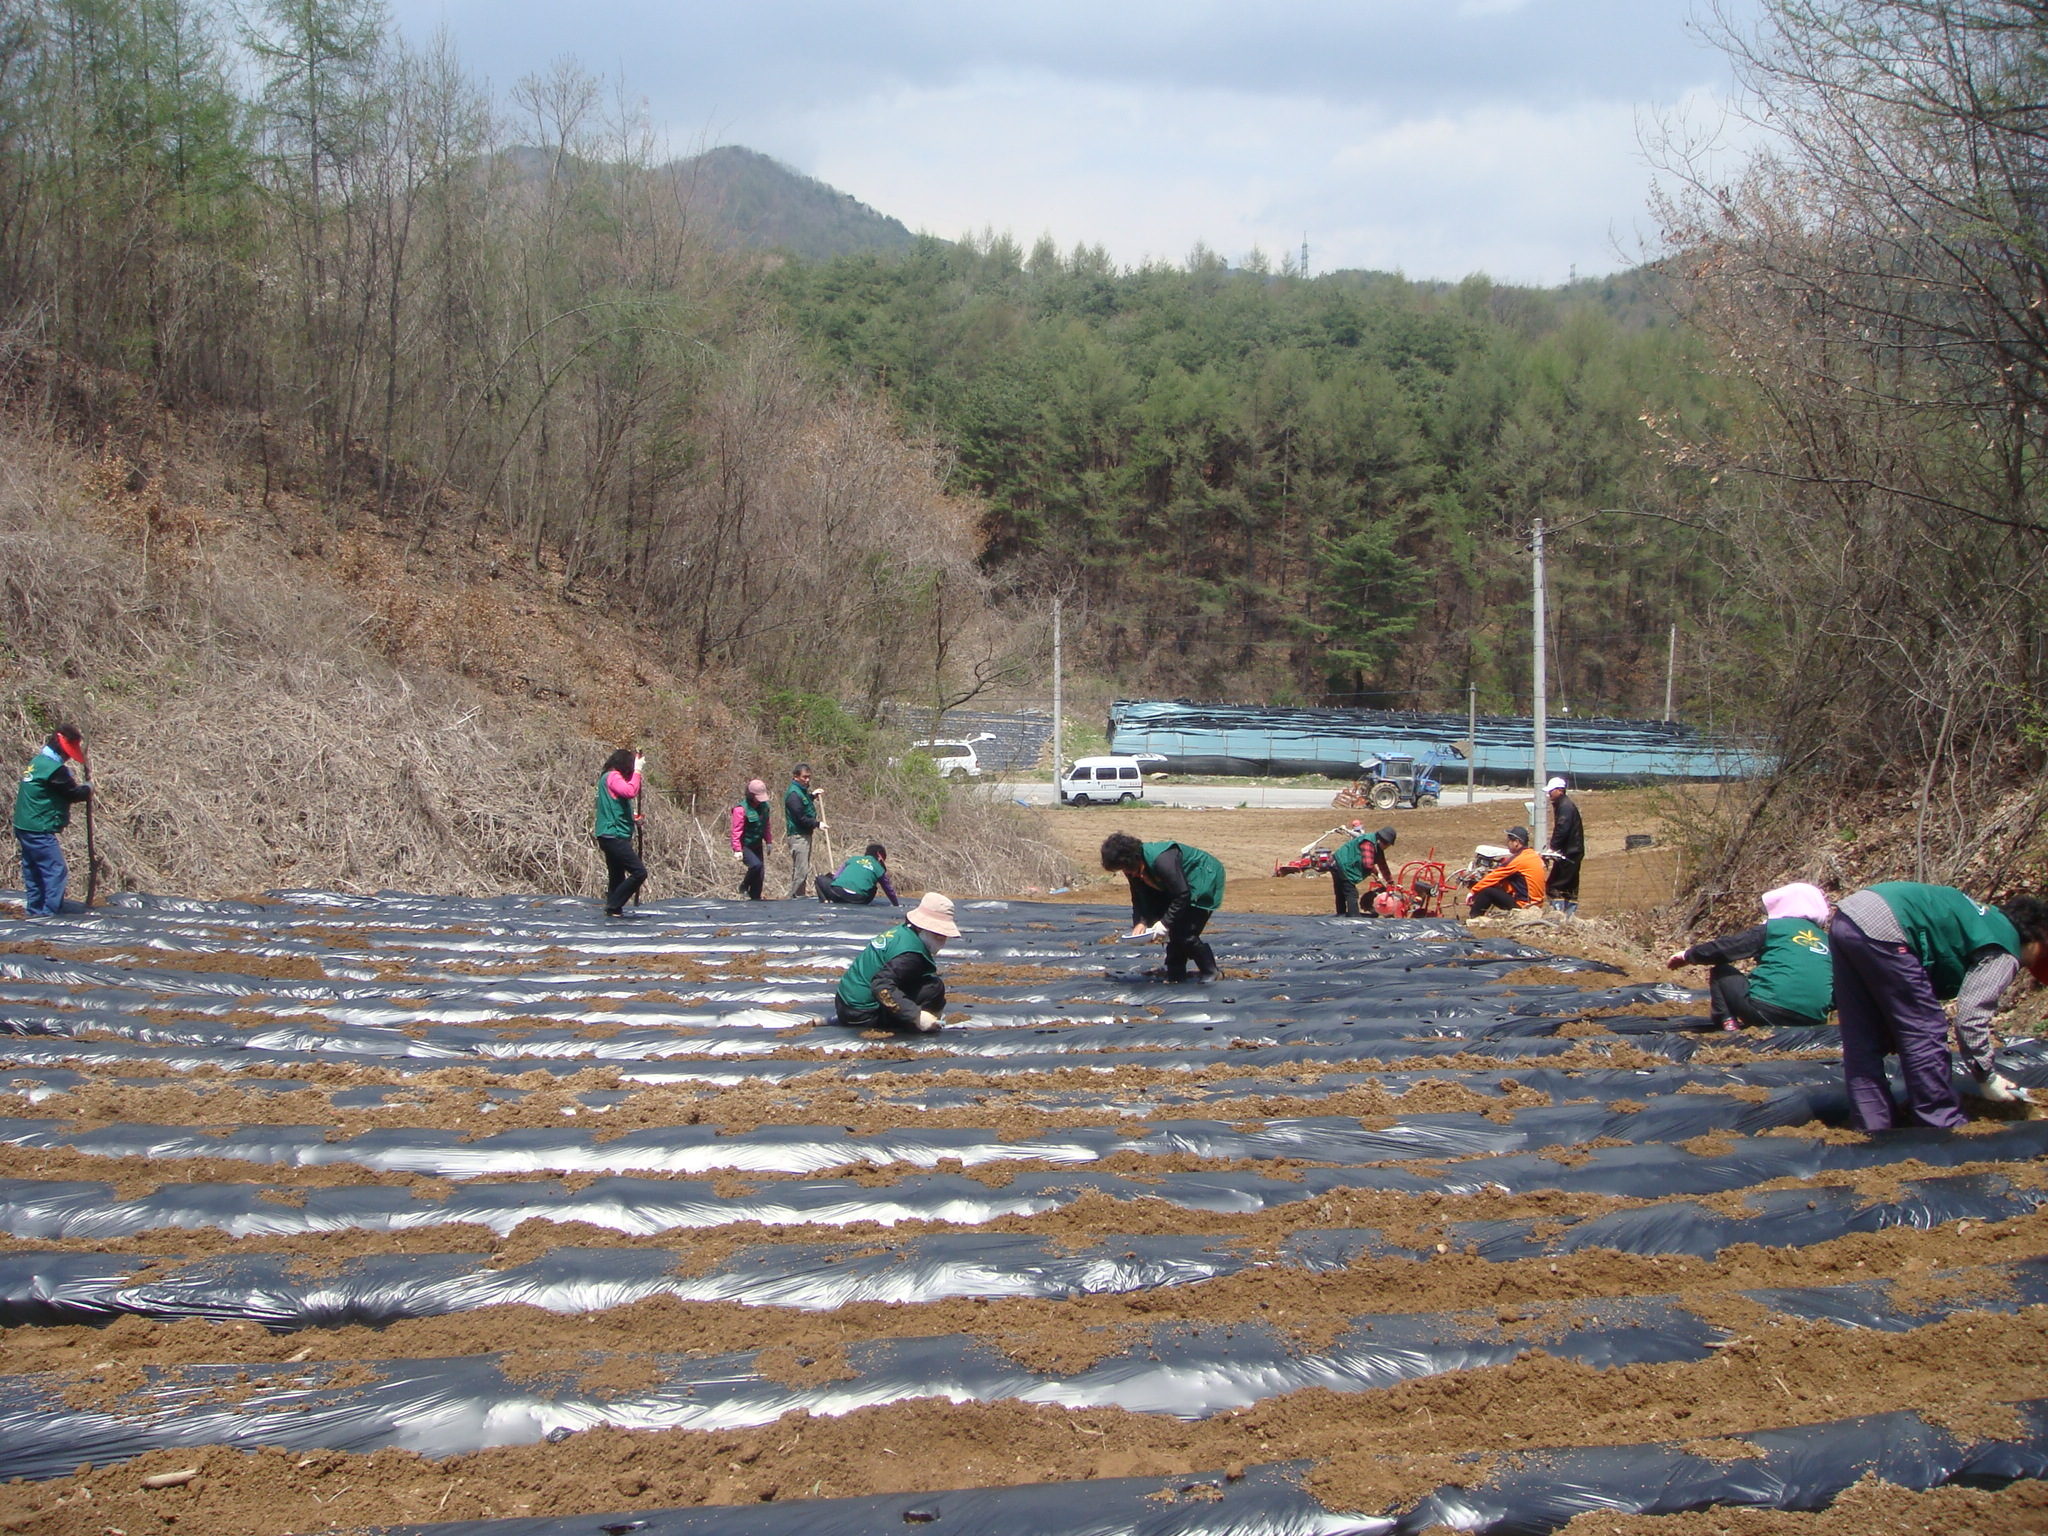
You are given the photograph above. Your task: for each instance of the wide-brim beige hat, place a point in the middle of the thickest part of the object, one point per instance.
(934, 914)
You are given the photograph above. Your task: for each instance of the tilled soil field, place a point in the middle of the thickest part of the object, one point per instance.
(394, 1213)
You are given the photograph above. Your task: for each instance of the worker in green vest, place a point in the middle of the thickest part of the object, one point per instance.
(1899, 950)
(859, 878)
(894, 981)
(1353, 862)
(619, 784)
(42, 809)
(1174, 890)
(1793, 983)
(800, 818)
(753, 829)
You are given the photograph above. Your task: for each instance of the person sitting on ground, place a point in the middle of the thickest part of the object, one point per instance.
(42, 809)
(894, 981)
(618, 812)
(753, 829)
(1364, 855)
(1900, 949)
(858, 878)
(1567, 848)
(1174, 890)
(1517, 881)
(1792, 986)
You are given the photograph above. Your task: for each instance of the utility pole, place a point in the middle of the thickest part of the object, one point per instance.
(1670, 672)
(1471, 736)
(1058, 742)
(1540, 812)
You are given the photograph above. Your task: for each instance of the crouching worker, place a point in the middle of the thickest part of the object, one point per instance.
(1356, 861)
(1517, 881)
(1792, 985)
(858, 878)
(1174, 890)
(1899, 950)
(894, 982)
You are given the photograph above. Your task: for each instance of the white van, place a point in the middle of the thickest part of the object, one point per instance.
(1102, 781)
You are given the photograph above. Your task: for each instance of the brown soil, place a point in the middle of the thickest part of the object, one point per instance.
(1370, 1451)
(1249, 842)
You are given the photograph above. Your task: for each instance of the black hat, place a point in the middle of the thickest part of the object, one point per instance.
(1385, 837)
(1519, 834)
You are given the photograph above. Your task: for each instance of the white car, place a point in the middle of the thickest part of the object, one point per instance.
(954, 759)
(1104, 780)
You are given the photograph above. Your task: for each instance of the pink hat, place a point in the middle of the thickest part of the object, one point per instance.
(934, 914)
(756, 787)
(1797, 900)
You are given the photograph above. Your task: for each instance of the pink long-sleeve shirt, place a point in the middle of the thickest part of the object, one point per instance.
(739, 825)
(622, 787)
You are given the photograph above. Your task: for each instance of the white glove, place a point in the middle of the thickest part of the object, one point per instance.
(1157, 930)
(2000, 1089)
(927, 1021)
(639, 761)
(740, 856)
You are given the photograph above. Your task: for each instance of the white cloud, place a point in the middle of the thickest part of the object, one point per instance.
(1525, 193)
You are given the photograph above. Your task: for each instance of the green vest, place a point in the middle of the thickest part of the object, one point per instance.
(614, 816)
(759, 818)
(810, 808)
(860, 876)
(1795, 971)
(1204, 872)
(1350, 858)
(39, 806)
(857, 986)
(1945, 928)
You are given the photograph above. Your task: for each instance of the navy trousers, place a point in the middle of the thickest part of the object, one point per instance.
(42, 872)
(1886, 1004)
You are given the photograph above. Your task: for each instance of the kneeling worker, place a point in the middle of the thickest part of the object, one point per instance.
(1174, 889)
(857, 879)
(1354, 861)
(894, 982)
(1517, 881)
(1793, 984)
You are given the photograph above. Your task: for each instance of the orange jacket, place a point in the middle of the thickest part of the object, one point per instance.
(1528, 864)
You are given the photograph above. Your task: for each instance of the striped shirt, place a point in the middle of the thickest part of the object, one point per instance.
(1976, 1000)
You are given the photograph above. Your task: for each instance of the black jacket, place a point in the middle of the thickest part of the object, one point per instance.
(801, 822)
(1567, 832)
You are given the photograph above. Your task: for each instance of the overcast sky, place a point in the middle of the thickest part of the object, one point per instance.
(1436, 137)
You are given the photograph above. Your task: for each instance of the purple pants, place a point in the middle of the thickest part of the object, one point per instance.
(1886, 1004)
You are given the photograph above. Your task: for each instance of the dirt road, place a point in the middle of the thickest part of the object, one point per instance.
(1250, 842)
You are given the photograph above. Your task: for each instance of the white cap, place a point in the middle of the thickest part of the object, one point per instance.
(1555, 784)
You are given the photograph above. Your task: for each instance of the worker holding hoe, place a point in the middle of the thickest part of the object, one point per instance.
(1900, 949)
(1174, 890)
(619, 784)
(1353, 861)
(894, 981)
(1567, 853)
(1517, 881)
(1792, 985)
(42, 809)
(800, 818)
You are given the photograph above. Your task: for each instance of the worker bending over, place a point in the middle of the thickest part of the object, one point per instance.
(894, 982)
(1899, 950)
(1517, 881)
(1364, 855)
(1792, 985)
(857, 879)
(1174, 889)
